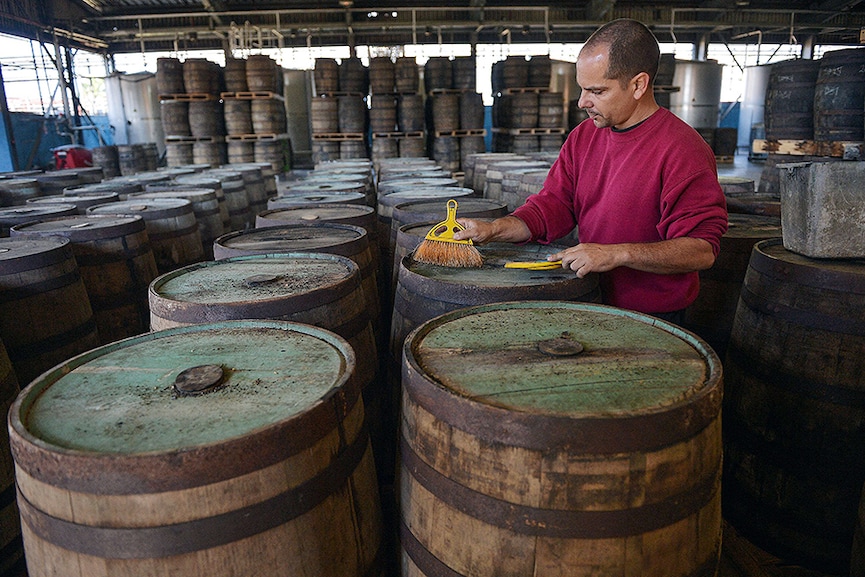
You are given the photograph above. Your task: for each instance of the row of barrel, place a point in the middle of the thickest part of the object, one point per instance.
(399, 75)
(461, 413)
(257, 72)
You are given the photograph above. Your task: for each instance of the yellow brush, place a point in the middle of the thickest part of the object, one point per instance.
(439, 246)
(539, 265)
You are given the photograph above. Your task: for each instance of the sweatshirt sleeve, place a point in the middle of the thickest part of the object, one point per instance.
(695, 207)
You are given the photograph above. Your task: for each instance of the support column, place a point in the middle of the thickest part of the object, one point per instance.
(8, 162)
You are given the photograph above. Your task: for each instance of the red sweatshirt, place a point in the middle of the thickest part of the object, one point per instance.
(654, 182)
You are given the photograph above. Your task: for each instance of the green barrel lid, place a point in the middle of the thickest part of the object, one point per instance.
(121, 399)
(571, 360)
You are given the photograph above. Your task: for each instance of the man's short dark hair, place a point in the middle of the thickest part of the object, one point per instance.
(633, 49)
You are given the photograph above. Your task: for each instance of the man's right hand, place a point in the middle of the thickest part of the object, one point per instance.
(505, 229)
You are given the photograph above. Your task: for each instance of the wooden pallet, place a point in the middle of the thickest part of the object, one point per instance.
(412, 134)
(529, 131)
(338, 94)
(437, 91)
(255, 137)
(458, 133)
(196, 96)
(848, 150)
(337, 136)
(194, 139)
(253, 95)
(526, 90)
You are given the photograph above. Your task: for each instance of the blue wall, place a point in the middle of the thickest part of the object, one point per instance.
(35, 131)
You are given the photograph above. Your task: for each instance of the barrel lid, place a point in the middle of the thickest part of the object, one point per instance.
(493, 273)
(843, 275)
(121, 398)
(294, 198)
(318, 212)
(312, 186)
(299, 237)
(752, 226)
(34, 211)
(569, 360)
(421, 192)
(254, 278)
(17, 254)
(193, 194)
(141, 206)
(435, 207)
(81, 227)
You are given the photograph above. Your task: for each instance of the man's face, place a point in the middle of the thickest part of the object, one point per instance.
(606, 101)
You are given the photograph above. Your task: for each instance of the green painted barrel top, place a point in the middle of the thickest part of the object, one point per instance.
(493, 273)
(254, 278)
(499, 355)
(120, 398)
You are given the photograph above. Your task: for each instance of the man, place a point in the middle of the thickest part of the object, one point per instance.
(641, 184)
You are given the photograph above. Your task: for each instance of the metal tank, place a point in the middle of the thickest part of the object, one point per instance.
(756, 81)
(698, 100)
(133, 109)
(297, 88)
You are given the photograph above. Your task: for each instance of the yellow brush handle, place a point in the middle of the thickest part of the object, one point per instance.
(539, 265)
(444, 231)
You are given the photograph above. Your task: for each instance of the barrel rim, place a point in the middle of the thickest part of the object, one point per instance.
(806, 271)
(124, 224)
(597, 434)
(112, 474)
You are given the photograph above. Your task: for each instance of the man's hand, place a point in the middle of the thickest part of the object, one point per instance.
(674, 256)
(505, 229)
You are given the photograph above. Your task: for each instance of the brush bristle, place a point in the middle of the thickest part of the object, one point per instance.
(449, 254)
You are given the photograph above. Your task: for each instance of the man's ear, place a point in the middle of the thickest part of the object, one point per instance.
(640, 82)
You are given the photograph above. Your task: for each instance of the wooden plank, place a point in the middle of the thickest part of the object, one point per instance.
(848, 150)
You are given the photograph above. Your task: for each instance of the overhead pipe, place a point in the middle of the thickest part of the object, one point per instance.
(758, 34)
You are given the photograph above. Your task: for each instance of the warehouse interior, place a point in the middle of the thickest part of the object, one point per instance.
(223, 352)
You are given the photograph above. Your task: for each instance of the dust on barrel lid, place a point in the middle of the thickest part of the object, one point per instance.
(546, 375)
(116, 419)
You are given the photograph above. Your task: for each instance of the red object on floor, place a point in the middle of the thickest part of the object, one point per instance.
(72, 156)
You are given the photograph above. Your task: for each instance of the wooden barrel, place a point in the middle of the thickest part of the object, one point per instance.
(232, 196)
(178, 153)
(532, 452)
(81, 201)
(304, 199)
(406, 75)
(324, 115)
(410, 112)
(261, 73)
(761, 204)
(207, 152)
(353, 149)
(382, 113)
(464, 73)
(46, 315)
(240, 151)
(276, 153)
(169, 76)
(332, 185)
(523, 110)
(437, 73)
(16, 191)
(540, 70)
(235, 75)
(496, 171)
(515, 72)
(198, 76)
(711, 315)
(253, 183)
(446, 152)
(476, 176)
(324, 150)
(175, 117)
(116, 263)
(839, 94)
(737, 185)
(325, 75)
(12, 560)
(353, 76)
(208, 181)
(15, 215)
(106, 157)
(382, 75)
(353, 214)
(412, 147)
(792, 406)
(205, 205)
(54, 182)
(268, 116)
(513, 195)
(446, 112)
(551, 110)
(470, 145)
(471, 105)
(238, 116)
(351, 113)
(171, 229)
(206, 118)
(384, 148)
(282, 397)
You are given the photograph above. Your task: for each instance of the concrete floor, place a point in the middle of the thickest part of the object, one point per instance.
(742, 167)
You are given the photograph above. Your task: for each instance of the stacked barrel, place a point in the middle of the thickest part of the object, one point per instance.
(527, 116)
(339, 110)
(191, 110)
(396, 115)
(255, 118)
(455, 111)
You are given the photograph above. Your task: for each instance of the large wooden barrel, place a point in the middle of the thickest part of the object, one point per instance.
(324, 150)
(261, 73)
(324, 115)
(301, 199)
(276, 153)
(384, 148)
(410, 112)
(540, 70)
(563, 439)
(15, 215)
(253, 183)
(437, 73)
(353, 76)
(235, 75)
(16, 191)
(789, 105)
(106, 157)
(45, 315)
(383, 113)
(178, 153)
(794, 408)
(445, 112)
(200, 76)
(382, 75)
(471, 105)
(515, 72)
(464, 73)
(81, 202)
(11, 546)
(496, 171)
(233, 448)
(175, 117)
(169, 76)
(839, 94)
(171, 228)
(238, 116)
(412, 147)
(206, 118)
(325, 75)
(406, 75)
(446, 152)
(240, 151)
(268, 116)
(351, 114)
(115, 261)
(353, 149)
(711, 315)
